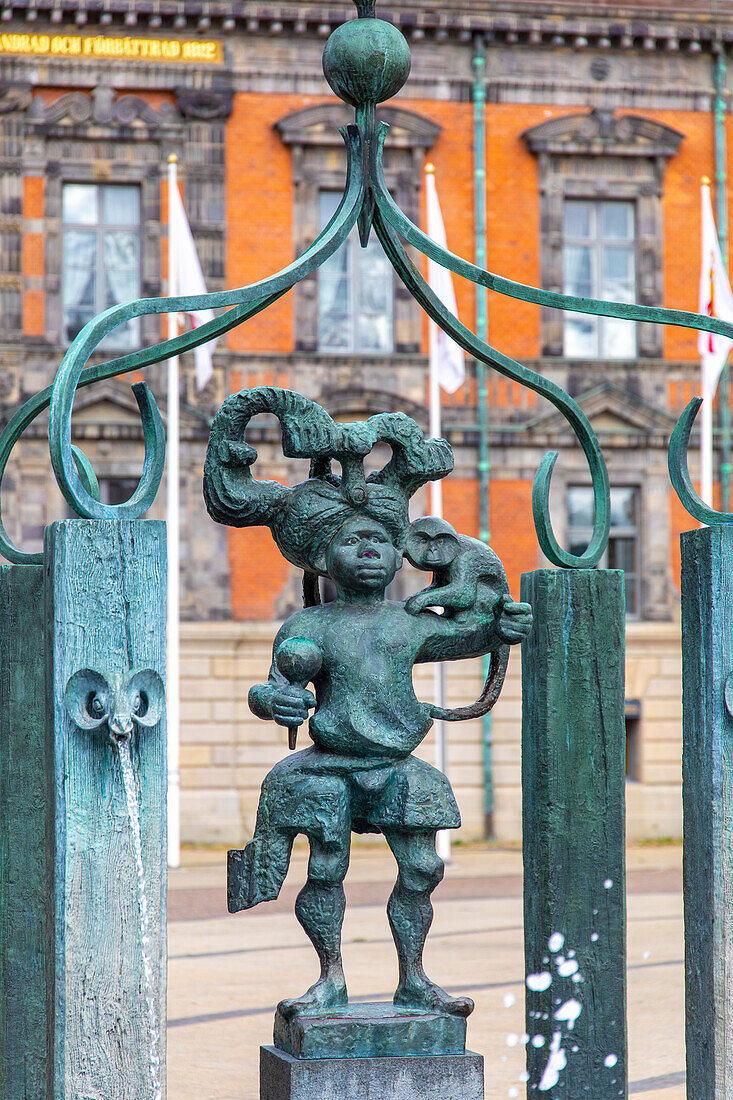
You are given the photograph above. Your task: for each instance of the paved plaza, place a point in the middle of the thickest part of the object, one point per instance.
(227, 973)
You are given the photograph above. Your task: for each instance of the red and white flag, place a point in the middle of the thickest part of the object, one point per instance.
(449, 358)
(716, 299)
(189, 281)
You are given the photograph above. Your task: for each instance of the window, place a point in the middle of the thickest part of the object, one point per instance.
(101, 256)
(600, 262)
(623, 542)
(633, 723)
(355, 293)
(112, 490)
(116, 490)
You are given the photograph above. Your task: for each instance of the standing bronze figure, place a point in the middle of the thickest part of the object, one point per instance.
(358, 651)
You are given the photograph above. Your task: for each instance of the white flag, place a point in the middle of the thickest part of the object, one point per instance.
(190, 281)
(448, 357)
(716, 299)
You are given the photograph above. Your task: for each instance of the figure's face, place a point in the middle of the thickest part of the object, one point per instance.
(431, 544)
(362, 556)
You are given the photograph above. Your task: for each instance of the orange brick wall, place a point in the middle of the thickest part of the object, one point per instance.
(510, 520)
(512, 529)
(259, 186)
(33, 257)
(452, 156)
(258, 573)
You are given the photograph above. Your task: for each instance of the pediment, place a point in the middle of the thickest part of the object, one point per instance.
(612, 412)
(600, 131)
(344, 406)
(319, 125)
(105, 404)
(113, 403)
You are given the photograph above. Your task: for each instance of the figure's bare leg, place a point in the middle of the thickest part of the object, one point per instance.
(320, 909)
(410, 916)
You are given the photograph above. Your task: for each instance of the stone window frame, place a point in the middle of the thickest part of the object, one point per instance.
(112, 344)
(634, 532)
(596, 155)
(318, 162)
(131, 140)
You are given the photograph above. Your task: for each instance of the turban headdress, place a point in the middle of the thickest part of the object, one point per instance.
(304, 518)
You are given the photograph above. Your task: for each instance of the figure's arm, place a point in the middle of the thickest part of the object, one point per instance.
(278, 700)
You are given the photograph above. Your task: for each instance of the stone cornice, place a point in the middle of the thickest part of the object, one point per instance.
(643, 24)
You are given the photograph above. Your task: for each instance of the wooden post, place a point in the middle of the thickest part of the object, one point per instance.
(573, 783)
(707, 791)
(77, 1021)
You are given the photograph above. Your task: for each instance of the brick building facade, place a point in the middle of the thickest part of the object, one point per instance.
(598, 128)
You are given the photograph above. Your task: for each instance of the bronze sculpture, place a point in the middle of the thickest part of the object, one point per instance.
(359, 651)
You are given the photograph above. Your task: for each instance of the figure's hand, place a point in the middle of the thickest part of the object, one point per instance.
(514, 622)
(290, 705)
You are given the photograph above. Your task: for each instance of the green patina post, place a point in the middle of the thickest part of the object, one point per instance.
(707, 766)
(573, 776)
(75, 1017)
(26, 980)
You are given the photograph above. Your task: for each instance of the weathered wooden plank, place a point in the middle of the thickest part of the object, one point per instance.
(25, 864)
(707, 791)
(105, 607)
(573, 780)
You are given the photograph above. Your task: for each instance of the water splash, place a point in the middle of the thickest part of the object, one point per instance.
(555, 1064)
(128, 776)
(569, 1012)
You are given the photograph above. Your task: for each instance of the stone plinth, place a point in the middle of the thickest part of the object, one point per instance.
(378, 1030)
(410, 1077)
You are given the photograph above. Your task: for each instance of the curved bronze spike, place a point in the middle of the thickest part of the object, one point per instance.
(247, 301)
(680, 474)
(86, 472)
(562, 401)
(59, 431)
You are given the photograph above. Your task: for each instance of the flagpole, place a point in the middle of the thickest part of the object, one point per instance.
(443, 838)
(173, 542)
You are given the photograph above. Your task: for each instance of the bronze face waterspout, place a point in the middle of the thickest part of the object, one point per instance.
(118, 700)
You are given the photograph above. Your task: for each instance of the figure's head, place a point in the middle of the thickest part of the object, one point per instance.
(362, 556)
(431, 543)
(305, 518)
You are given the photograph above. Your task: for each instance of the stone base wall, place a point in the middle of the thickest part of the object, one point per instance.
(226, 751)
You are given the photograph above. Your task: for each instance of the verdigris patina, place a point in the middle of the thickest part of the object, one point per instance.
(358, 651)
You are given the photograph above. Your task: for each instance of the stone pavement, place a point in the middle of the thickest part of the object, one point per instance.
(227, 973)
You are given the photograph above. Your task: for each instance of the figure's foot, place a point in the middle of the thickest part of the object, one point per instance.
(420, 992)
(328, 992)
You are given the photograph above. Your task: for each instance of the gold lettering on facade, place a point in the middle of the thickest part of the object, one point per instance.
(107, 47)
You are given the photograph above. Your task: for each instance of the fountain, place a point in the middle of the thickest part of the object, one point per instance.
(82, 834)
